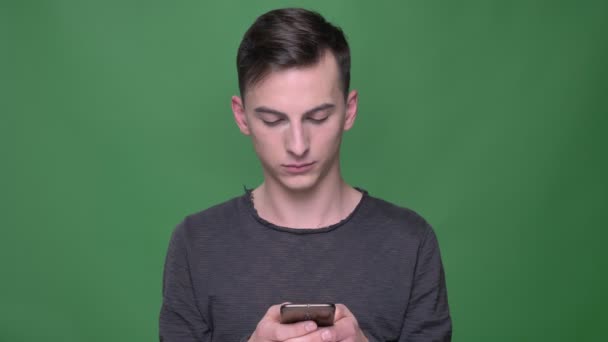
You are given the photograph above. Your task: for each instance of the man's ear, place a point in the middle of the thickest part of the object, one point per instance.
(239, 115)
(351, 109)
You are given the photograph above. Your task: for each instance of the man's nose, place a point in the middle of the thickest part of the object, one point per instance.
(297, 140)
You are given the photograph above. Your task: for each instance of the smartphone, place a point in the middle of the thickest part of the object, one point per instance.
(322, 314)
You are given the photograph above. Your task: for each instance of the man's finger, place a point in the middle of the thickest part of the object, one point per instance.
(344, 328)
(341, 312)
(274, 313)
(321, 335)
(270, 326)
(346, 324)
(276, 331)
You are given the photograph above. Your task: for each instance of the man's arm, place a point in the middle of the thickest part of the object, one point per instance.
(428, 316)
(180, 319)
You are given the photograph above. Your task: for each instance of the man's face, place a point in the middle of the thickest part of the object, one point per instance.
(296, 118)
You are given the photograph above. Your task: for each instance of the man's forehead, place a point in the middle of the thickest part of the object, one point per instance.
(319, 81)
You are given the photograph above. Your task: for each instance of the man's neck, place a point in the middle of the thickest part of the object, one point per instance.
(317, 207)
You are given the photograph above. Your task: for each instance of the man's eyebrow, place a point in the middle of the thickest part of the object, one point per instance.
(318, 108)
(268, 110)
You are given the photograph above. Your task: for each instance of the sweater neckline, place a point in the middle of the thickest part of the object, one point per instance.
(248, 199)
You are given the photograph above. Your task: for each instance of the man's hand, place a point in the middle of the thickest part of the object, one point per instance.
(345, 328)
(271, 329)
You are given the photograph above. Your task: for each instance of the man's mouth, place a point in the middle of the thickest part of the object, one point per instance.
(299, 167)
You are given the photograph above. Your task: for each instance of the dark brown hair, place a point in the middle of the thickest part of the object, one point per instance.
(286, 38)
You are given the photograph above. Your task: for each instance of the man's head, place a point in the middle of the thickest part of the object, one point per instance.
(288, 38)
(293, 73)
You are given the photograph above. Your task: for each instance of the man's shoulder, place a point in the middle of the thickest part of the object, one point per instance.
(217, 216)
(395, 218)
(226, 210)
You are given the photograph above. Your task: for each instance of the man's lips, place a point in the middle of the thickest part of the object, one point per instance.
(298, 168)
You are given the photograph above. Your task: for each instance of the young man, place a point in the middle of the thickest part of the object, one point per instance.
(304, 235)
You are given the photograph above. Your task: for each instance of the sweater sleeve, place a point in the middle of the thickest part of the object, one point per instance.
(428, 317)
(180, 318)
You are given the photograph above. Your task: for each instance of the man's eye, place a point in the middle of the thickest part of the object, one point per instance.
(317, 120)
(272, 122)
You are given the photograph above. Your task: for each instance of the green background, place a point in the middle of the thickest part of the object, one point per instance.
(487, 117)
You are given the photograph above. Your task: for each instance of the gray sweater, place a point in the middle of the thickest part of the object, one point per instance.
(226, 265)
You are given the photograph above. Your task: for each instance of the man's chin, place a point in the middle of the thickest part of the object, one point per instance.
(298, 183)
